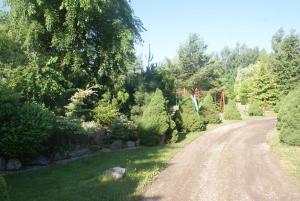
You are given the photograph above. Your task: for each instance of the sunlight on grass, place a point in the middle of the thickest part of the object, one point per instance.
(84, 179)
(289, 156)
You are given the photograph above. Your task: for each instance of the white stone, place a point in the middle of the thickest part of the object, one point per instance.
(116, 172)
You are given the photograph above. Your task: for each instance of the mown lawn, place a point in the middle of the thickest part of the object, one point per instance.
(83, 180)
(289, 156)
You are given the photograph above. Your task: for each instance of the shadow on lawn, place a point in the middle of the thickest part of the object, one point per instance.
(82, 180)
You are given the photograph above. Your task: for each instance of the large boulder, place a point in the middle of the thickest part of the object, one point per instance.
(116, 172)
(13, 164)
(2, 163)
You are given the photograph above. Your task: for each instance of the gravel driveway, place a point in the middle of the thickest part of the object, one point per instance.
(232, 162)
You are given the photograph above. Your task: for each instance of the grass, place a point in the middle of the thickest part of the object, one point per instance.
(289, 156)
(83, 180)
(244, 113)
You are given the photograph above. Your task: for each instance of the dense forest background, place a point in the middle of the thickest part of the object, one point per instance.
(68, 69)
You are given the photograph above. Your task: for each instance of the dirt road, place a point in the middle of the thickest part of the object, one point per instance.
(233, 162)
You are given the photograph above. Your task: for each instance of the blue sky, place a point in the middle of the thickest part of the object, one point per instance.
(219, 23)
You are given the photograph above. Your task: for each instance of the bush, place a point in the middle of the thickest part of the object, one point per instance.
(175, 136)
(121, 128)
(231, 112)
(65, 125)
(3, 190)
(289, 118)
(210, 112)
(23, 135)
(191, 120)
(9, 104)
(255, 110)
(105, 112)
(155, 120)
(76, 109)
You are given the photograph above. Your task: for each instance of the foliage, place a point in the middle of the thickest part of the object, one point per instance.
(106, 110)
(191, 57)
(9, 104)
(68, 126)
(175, 137)
(265, 89)
(210, 113)
(285, 62)
(76, 109)
(70, 132)
(23, 135)
(255, 110)
(11, 53)
(239, 57)
(3, 190)
(155, 120)
(177, 118)
(121, 128)
(289, 118)
(245, 91)
(149, 80)
(92, 40)
(244, 82)
(44, 85)
(90, 127)
(234, 59)
(191, 120)
(231, 112)
(208, 77)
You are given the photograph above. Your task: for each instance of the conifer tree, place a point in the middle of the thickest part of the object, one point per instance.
(265, 89)
(289, 118)
(191, 120)
(155, 120)
(210, 112)
(231, 112)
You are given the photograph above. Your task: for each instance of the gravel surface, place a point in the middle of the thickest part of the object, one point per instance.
(232, 162)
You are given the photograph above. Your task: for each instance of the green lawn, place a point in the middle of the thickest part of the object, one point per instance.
(82, 180)
(289, 156)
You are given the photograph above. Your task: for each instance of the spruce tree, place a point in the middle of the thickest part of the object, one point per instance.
(285, 62)
(231, 112)
(191, 120)
(254, 109)
(210, 112)
(265, 89)
(289, 118)
(155, 120)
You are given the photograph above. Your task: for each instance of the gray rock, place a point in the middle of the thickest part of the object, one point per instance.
(130, 144)
(117, 144)
(105, 150)
(116, 172)
(13, 164)
(41, 161)
(60, 156)
(79, 152)
(2, 163)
